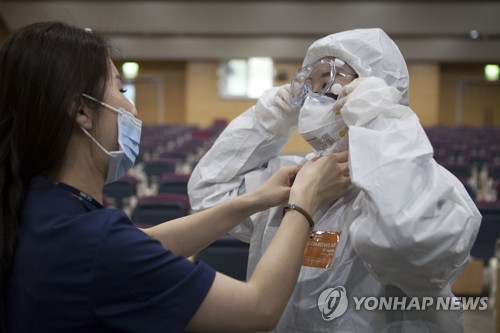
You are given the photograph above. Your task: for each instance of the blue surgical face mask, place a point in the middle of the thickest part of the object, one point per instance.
(129, 137)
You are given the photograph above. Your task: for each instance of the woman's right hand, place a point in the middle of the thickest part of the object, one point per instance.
(322, 179)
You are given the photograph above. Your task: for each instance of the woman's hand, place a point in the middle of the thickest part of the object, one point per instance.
(322, 179)
(276, 189)
(344, 94)
(282, 100)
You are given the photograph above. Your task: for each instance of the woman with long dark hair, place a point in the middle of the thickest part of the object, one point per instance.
(69, 264)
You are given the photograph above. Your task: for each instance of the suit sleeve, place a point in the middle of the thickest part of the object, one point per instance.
(239, 157)
(417, 223)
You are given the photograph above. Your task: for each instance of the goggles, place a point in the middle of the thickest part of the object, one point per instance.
(326, 77)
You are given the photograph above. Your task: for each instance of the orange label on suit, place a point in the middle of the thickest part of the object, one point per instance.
(320, 249)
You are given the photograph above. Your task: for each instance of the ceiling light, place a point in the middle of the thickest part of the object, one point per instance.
(130, 70)
(491, 72)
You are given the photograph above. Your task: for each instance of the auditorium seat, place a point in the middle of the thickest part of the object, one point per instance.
(154, 168)
(154, 209)
(227, 255)
(489, 230)
(121, 191)
(173, 183)
(460, 170)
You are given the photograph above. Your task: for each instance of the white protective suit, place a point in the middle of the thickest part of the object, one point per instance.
(407, 224)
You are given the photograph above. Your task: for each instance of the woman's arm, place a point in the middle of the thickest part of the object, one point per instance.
(236, 306)
(188, 235)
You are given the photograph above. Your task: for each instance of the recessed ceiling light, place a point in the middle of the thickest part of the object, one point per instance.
(474, 34)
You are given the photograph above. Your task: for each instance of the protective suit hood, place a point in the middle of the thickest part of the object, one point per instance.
(370, 52)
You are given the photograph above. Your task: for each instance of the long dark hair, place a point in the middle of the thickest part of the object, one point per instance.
(44, 69)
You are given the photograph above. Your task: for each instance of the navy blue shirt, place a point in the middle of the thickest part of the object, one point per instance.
(79, 267)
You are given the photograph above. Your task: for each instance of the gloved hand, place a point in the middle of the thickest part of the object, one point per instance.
(365, 99)
(349, 88)
(282, 99)
(344, 94)
(275, 113)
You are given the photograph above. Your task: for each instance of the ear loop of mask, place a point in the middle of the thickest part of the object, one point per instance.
(109, 153)
(102, 103)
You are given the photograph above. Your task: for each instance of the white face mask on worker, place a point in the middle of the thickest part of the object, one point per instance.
(320, 127)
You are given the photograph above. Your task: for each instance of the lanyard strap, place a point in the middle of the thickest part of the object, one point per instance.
(79, 194)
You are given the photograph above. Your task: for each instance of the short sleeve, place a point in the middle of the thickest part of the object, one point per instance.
(139, 286)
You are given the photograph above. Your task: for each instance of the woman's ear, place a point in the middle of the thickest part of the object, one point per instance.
(84, 116)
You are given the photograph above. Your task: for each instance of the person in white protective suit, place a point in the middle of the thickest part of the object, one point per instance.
(406, 226)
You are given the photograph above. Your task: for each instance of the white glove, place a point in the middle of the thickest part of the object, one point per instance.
(349, 88)
(344, 94)
(365, 99)
(282, 99)
(275, 112)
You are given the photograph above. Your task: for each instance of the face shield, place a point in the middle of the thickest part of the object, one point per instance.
(325, 77)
